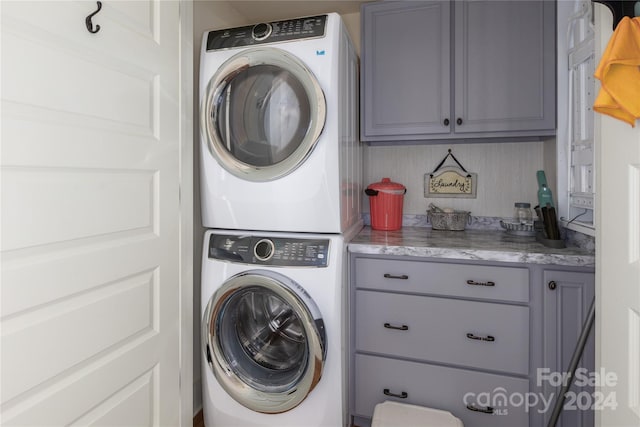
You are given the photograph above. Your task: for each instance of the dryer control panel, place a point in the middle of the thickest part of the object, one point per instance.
(262, 250)
(267, 32)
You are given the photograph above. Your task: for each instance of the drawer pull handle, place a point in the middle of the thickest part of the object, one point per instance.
(475, 337)
(402, 395)
(391, 276)
(474, 283)
(400, 328)
(487, 410)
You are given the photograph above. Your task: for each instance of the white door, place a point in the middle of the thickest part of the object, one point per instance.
(90, 213)
(618, 262)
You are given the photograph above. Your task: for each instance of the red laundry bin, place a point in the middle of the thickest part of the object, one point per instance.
(385, 202)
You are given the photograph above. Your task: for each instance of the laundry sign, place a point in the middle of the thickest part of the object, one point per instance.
(450, 181)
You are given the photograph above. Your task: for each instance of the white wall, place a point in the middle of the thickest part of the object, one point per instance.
(352, 23)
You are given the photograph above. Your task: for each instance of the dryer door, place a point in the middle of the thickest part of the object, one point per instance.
(262, 114)
(263, 337)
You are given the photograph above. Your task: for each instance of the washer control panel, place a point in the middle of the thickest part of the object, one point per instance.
(276, 251)
(268, 32)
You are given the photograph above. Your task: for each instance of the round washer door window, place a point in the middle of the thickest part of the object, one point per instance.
(264, 339)
(262, 114)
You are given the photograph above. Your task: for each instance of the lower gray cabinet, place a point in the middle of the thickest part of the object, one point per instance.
(481, 340)
(567, 296)
(479, 399)
(467, 333)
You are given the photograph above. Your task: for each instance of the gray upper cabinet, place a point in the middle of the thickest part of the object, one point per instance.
(434, 70)
(406, 51)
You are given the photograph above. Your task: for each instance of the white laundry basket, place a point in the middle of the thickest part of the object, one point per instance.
(394, 414)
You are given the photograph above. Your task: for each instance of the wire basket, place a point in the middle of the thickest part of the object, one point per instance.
(454, 221)
(517, 228)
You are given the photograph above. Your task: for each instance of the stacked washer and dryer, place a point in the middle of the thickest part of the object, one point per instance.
(281, 185)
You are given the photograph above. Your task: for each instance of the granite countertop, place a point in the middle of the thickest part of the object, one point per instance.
(481, 245)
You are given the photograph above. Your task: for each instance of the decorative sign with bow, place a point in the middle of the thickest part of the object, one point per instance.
(450, 181)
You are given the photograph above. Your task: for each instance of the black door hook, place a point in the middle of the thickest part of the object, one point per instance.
(89, 23)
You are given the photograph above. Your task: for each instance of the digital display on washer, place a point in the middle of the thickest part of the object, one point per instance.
(275, 251)
(271, 32)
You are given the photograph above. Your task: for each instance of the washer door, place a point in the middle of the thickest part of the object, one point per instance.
(264, 339)
(262, 114)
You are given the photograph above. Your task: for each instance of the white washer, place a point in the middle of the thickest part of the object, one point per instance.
(273, 329)
(278, 118)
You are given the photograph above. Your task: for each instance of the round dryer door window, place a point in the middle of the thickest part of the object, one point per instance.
(262, 114)
(263, 338)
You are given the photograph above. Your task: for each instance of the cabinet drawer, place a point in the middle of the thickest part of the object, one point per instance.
(472, 281)
(468, 333)
(440, 387)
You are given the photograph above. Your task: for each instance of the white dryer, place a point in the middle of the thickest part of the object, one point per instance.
(278, 118)
(273, 334)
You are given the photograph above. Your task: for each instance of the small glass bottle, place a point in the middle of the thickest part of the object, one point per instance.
(522, 213)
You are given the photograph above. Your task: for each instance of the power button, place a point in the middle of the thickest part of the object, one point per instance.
(261, 31)
(263, 250)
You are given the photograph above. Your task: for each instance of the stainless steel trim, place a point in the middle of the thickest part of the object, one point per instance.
(271, 247)
(305, 309)
(218, 84)
(266, 35)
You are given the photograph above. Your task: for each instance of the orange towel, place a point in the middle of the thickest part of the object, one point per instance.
(619, 73)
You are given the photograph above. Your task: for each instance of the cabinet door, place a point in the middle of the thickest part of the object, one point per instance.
(406, 70)
(566, 301)
(504, 66)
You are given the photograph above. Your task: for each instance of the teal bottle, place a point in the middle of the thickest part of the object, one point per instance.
(544, 192)
(545, 196)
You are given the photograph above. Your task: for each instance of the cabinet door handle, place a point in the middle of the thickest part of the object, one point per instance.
(474, 283)
(478, 338)
(391, 276)
(446, 122)
(552, 285)
(402, 395)
(399, 328)
(487, 410)
(459, 121)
